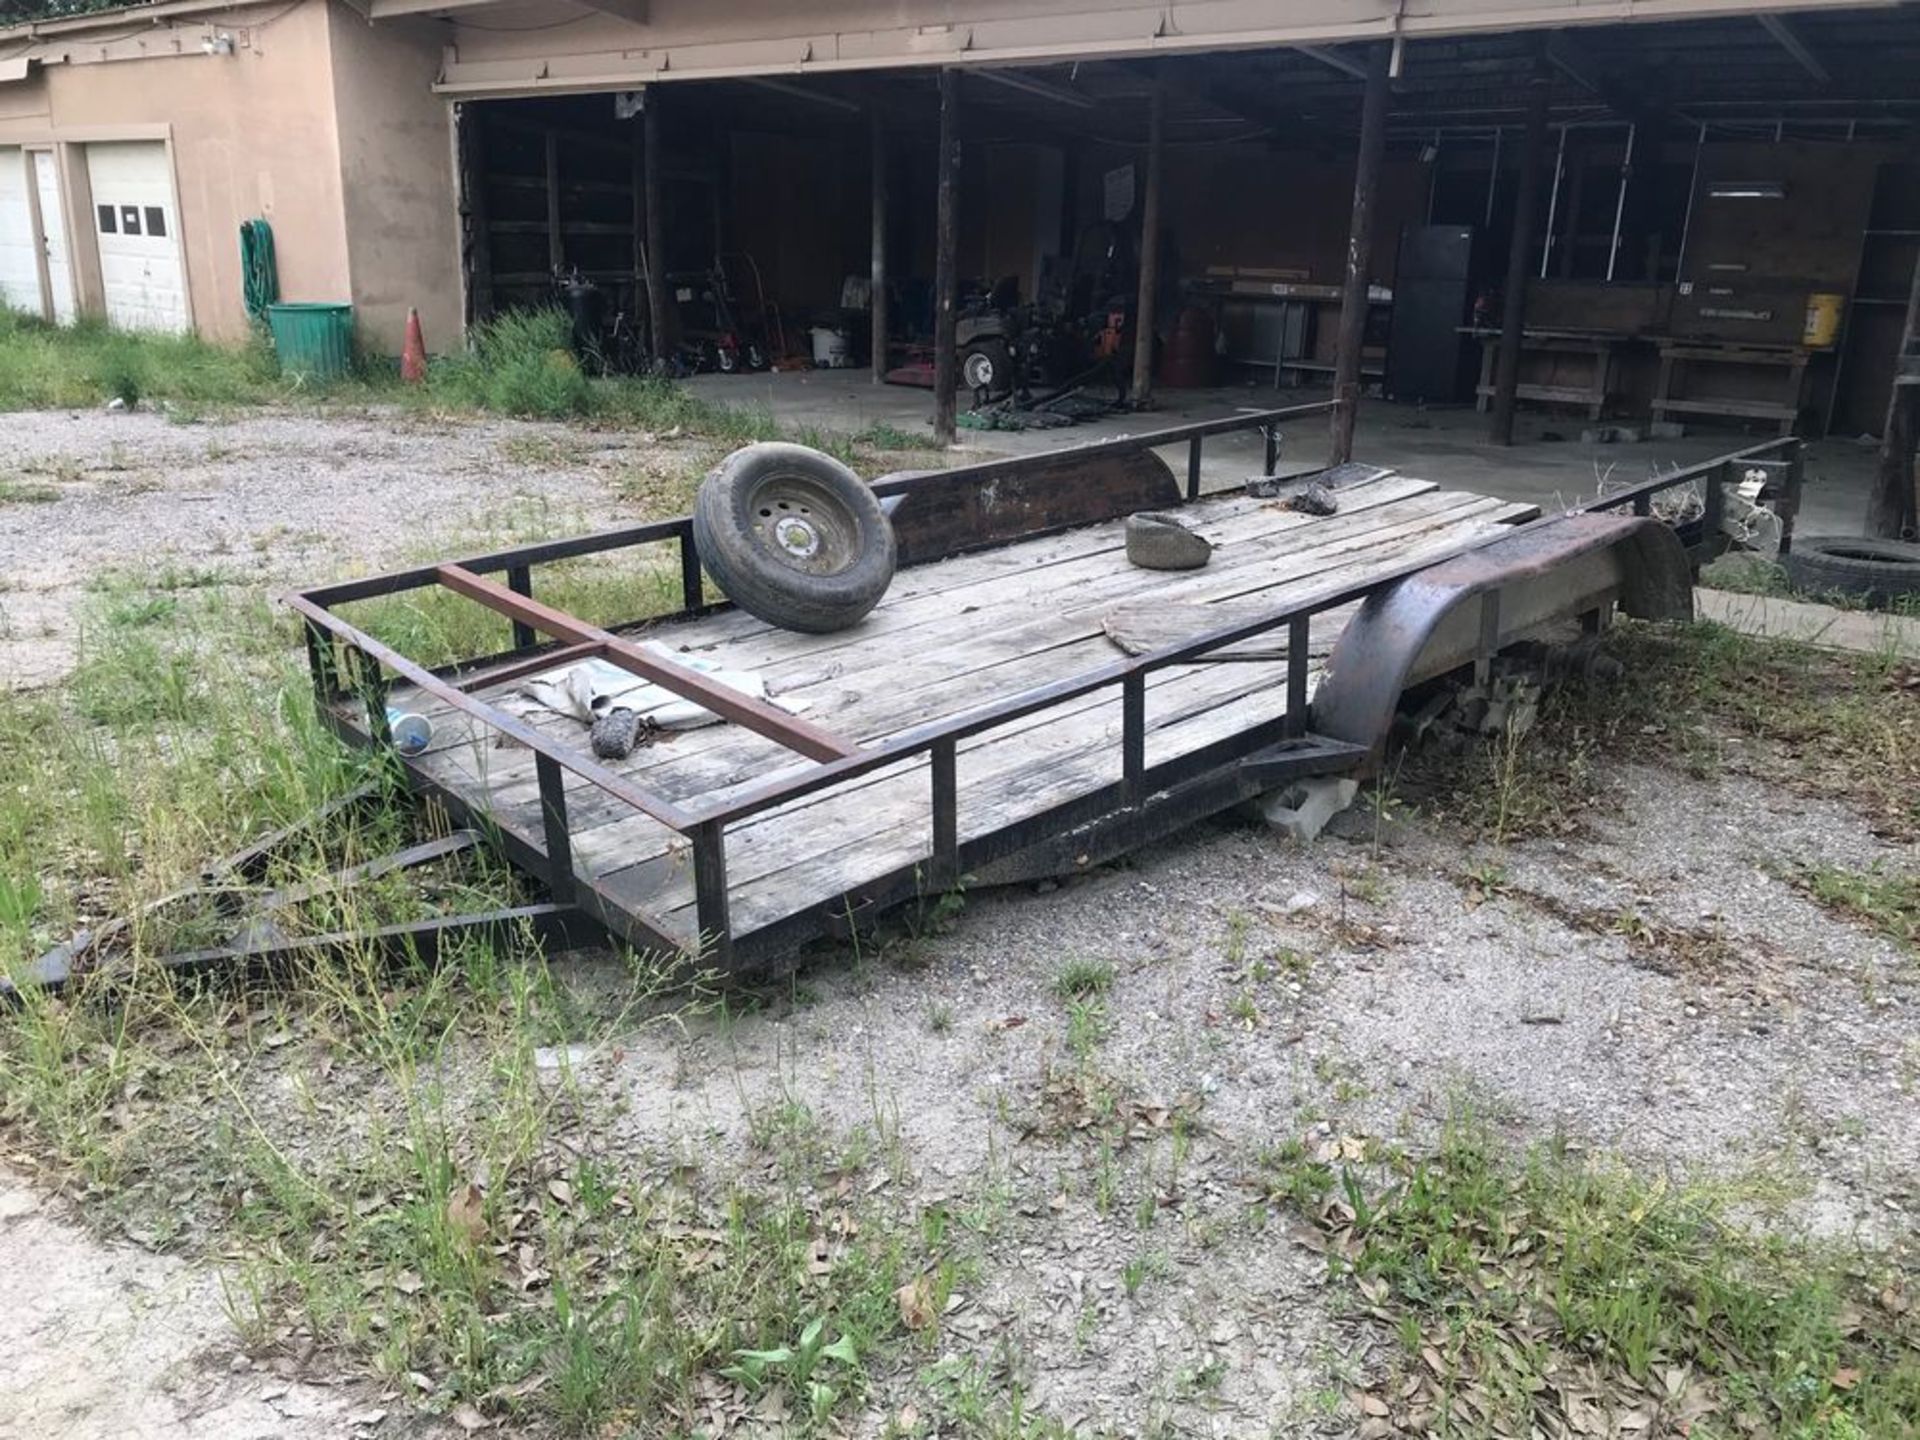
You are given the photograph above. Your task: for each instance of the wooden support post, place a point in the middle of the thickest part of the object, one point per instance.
(1353, 296)
(1893, 505)
(878, 301)
(556, 250)
(475, 237)
(1147, 301)
(638, 179)
(1513, 311)
(945, 286)
(660, 325)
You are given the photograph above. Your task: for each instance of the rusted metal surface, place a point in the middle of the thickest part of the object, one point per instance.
(949, 512)
(257, 936)
(683, 680)
(1464, 610)
(421, 941)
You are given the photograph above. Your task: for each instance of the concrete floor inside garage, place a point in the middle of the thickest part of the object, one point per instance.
(1548, 464)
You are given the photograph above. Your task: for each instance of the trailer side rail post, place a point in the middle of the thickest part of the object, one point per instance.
(1133, 733)
(691, 594)
(944, 769)
(369, 683)
(553, 819)
(1787, 507)
(321, 667)
(520, 581)
(1299, 633)
(715, 939)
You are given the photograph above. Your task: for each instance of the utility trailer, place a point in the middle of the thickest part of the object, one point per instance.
(981, 724)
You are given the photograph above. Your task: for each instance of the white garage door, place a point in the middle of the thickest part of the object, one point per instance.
(53, 236)
(138, 235)
(19, 253)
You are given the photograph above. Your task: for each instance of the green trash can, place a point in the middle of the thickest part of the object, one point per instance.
(314, 341)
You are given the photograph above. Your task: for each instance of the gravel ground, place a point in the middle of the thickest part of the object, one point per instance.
(1652, 984)
(279, 498)
(1793, 1052)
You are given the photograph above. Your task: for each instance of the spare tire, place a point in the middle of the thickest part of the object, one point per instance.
(794, 537)
(1877, 572)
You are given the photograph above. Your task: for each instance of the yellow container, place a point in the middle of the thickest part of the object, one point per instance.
(1823, 320)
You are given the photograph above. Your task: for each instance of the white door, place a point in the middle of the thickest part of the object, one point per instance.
(19, 246)
(139, 235)
(53, 232)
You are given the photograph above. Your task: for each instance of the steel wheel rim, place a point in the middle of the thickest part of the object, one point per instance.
(803, 526)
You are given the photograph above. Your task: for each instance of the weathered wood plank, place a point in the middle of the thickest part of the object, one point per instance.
(942, 680)
(995, 624)
(781, 656)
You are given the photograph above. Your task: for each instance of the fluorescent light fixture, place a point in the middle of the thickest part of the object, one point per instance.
(1747, 190)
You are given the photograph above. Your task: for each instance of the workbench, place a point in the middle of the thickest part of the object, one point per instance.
(1600, 347)
(1677, 352)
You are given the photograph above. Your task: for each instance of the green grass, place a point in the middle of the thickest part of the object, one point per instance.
(26, 492)
(183, 731)
(1082, 979)
(1552, 1291)
(479, 1245)
(1748, 574)
(518, 364)
(43, 367)
(1883, 899)
(574, 1293)
(1831, 724)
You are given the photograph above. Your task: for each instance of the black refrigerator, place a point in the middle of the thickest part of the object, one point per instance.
(1428, 360)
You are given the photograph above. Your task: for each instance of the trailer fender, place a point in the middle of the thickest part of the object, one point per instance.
(1465, 609)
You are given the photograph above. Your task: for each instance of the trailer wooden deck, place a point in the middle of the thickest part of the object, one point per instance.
(951, 637)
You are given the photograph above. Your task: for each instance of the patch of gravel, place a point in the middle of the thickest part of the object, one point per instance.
(276, 498)
(1247, 988)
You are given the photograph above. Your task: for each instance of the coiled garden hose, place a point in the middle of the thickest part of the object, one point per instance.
(259, 277)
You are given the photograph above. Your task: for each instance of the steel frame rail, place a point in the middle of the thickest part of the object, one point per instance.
(835, 760)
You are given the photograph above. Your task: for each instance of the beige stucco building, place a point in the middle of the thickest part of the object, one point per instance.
(196, 117)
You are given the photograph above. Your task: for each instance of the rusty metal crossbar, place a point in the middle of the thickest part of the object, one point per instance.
(835, 760)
